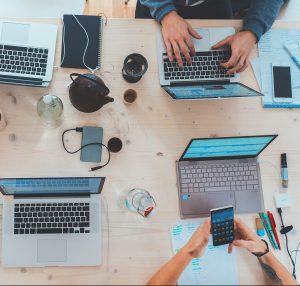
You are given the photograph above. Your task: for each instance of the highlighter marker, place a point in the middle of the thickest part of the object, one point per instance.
(284, 171)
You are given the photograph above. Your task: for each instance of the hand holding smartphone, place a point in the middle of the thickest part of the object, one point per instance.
(222, 225)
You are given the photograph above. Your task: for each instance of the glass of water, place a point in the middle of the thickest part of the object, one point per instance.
(140, 201)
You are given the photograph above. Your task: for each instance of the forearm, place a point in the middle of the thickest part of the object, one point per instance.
(170, 272)
(159, 8)
(276, 271)
(261, 16)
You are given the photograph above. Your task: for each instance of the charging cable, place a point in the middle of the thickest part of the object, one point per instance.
(284, 230)
(80, 129)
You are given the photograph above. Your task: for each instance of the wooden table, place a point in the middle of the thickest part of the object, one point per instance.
(155, 131)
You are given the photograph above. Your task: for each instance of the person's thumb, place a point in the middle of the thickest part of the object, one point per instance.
(242, 243)
(194, 33)
(222, 43)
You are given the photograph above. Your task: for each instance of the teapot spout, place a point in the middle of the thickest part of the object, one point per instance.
(109, 99)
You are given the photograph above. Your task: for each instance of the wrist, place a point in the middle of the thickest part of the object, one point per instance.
(190, 250)
(261, 248)
(169, 17)
(186, 252)
(251, 35)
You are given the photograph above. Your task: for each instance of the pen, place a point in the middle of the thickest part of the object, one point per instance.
(284, 171)
(264, 218)
(294, 59)
(273, 225)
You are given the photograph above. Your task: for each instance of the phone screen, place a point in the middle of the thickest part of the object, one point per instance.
(282, 82)
(222, 222)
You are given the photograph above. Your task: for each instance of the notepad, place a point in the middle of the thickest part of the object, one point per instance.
(82, 49)
(216, 267)
(272, 51)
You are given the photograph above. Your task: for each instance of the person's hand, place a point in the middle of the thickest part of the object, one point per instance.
(177, 37)
(246, 238)
(241, 45)
(197, 244)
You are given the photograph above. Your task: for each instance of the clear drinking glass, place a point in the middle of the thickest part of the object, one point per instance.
(140, 201)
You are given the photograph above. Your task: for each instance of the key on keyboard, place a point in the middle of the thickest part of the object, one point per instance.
(51, 218)
(214, 178)
(205, 65)
(23, 60)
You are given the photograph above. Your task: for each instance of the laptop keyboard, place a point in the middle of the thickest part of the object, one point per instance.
(23, 60)
(205, 65)
(49, 218)
(223, 177)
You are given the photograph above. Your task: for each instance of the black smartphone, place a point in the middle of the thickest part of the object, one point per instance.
(91, 153)
(222, 225)
(282, 84)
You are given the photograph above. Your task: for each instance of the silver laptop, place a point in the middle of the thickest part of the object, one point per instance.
(51, 221)
(215, 172)
(27, 53)
(205, 78)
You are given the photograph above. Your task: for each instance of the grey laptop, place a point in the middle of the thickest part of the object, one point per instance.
(27, 53)
(51, 221)
(204, 79)
(214, 172)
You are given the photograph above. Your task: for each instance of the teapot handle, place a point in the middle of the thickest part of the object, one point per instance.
(88, 78)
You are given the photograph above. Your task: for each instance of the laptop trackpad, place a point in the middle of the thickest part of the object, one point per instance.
(221, 199)
(52, 250)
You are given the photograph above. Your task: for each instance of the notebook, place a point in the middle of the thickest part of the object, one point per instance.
(74, 41)
(215, 267)
(272, 51)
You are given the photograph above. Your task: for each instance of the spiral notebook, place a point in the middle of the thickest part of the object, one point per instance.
(75, 41)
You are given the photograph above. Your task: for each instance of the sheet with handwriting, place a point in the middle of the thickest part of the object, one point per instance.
(216, 267)
(272, 52)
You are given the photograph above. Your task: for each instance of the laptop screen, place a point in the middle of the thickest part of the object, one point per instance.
(230, 147)
(210, 91)
(52, 186)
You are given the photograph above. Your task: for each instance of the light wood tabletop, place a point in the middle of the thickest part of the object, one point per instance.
(154, 130)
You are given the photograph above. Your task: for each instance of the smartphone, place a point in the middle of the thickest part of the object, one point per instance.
(282, 84)
(222, 225)
(91, 153)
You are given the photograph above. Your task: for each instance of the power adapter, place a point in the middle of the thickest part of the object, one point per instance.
(283, 200)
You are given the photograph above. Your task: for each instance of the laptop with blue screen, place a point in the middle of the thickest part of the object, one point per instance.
(51, 221)
(215, 172)
(204, 78)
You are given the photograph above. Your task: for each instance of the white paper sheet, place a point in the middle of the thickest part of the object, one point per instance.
(272, 52)
(216, 267)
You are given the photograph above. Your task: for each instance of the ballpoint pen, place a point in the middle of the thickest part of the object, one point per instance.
(291, 51)
(273, 225)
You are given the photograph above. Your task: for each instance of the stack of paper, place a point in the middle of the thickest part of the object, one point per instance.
(271, 51)
(216, 267)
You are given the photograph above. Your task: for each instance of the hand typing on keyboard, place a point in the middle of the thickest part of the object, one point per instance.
(177, 36)
(241, 45)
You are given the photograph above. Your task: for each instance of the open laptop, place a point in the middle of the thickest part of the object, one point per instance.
(27, 53)
(205, 78)
(215, 172)
(51, 221)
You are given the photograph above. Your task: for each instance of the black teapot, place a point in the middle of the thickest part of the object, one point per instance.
(88, 93)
